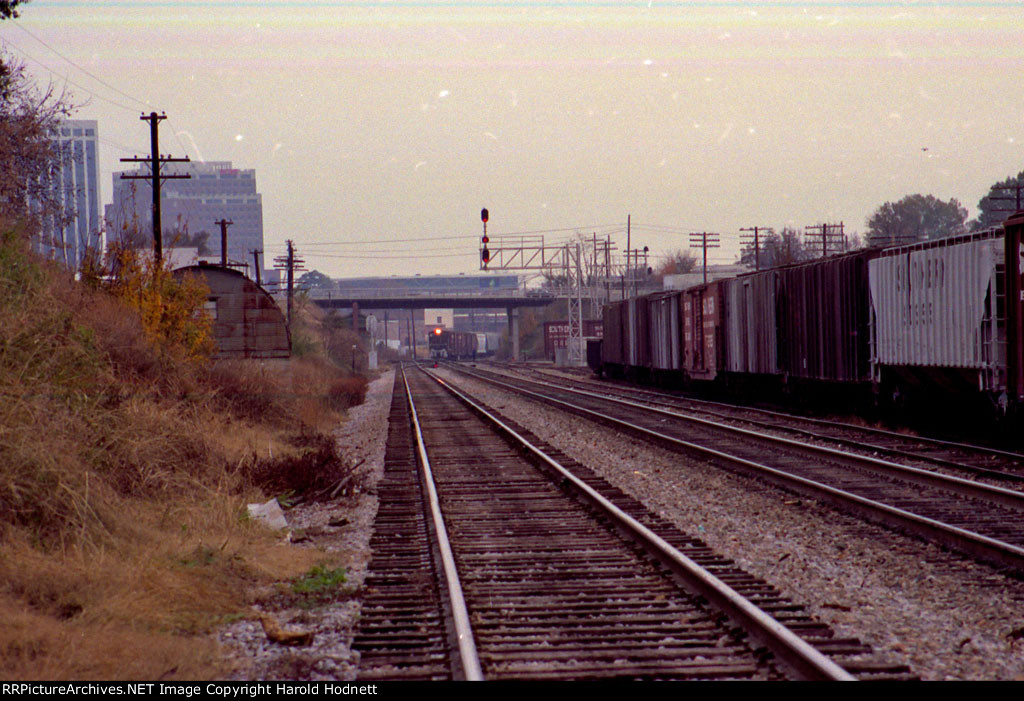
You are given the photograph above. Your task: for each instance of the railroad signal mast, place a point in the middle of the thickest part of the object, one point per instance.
(485, 254)
(524, 253)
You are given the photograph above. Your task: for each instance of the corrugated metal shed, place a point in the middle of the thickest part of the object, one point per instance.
(247, 323)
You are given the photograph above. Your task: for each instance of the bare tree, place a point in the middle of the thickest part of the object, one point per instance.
(30, 156)
(778, 249)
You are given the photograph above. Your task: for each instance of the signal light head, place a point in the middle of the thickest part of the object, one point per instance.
(483, 215)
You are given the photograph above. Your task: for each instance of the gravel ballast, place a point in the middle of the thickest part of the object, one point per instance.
(946, 617)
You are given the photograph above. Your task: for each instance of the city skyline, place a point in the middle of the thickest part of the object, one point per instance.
(380, 131)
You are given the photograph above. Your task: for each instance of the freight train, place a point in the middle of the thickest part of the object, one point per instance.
(457, 345)
(938, 320)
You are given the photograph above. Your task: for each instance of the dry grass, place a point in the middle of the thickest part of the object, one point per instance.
(124, 471)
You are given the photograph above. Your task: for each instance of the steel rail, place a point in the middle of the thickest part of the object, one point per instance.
(1010, 455)
(925, 441)
(975, 544)
(789, 648)
(463, 629)
(1007, 497)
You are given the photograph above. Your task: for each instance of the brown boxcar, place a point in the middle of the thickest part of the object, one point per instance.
(612, 344)
(457, 345)
(703, 327)
(556, 334)
(824, 319)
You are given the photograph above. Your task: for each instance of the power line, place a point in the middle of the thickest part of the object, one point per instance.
(400, 256)
(57, 76)
(54, 73)
(380, 240)
(88, 73)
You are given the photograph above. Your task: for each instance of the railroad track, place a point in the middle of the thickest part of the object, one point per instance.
(982, 521)
(950, 456)
(538, 569)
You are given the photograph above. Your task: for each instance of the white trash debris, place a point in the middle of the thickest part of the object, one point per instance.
(269, 514)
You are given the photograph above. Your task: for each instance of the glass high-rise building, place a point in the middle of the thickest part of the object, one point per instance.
(66, 236)
(191, 207)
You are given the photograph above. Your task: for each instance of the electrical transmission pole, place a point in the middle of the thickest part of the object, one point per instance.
(827, 232)
(705, 241)
(574, 302)
(289, 263)
(224, 224)
(754, 238)
(256, 252)
(155, 178)
(1003, 198)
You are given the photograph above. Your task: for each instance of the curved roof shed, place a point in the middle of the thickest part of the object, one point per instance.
(247, 323)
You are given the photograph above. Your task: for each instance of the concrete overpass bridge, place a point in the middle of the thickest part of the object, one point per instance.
(382, 298)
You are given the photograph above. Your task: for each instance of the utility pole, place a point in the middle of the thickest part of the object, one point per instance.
(155, 178)
(1016, 198)
(256, 264)
(224, 224)
(412, 334)
(826, 232)
(746, 238)
(290, 264)
(704, 240)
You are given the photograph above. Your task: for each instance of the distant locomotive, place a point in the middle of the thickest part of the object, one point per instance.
(456, 345)
(938, 319)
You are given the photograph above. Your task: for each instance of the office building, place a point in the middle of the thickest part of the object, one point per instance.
(66, 235)
(190, 207)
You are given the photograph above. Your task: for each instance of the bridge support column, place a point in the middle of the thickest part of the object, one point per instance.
(513, 331)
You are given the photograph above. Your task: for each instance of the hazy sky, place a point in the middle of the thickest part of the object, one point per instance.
(373, 123)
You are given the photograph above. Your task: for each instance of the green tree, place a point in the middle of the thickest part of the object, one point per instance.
(999, 203)
(315, 280)
(916, 218)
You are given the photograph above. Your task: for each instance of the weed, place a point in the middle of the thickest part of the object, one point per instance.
(111, 440)
(319, 580)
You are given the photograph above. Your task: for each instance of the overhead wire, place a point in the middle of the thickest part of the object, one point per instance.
(66, 78)
(379, 240)
(56, 74)
(95, 77)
